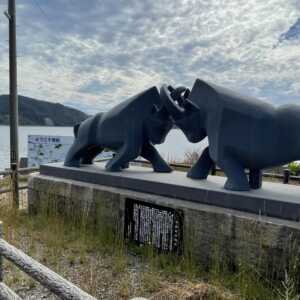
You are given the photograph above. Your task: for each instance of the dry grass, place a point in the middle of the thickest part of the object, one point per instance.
(192, 291)
(191, 156)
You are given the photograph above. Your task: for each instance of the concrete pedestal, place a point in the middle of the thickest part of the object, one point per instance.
(273, 199)
(259, 227)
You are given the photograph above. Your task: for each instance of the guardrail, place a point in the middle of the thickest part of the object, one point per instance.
(285, 177)
(55, 283)
(23, 171)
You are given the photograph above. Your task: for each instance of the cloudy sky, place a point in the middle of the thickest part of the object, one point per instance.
(92, 54)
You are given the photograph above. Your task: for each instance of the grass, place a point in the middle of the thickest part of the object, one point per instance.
(99, 263)
(5, 182)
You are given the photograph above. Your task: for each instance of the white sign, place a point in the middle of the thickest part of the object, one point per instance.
(44, 149)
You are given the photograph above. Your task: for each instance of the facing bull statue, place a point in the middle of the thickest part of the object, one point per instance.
(243, 132)
(131, 128)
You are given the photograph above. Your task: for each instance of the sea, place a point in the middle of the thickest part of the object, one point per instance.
(175, 147)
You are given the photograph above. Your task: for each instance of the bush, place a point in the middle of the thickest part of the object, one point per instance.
(294, 168)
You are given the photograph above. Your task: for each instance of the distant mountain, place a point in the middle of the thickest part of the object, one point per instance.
(36, 112)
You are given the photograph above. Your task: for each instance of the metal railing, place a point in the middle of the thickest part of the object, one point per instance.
(286, 177)
(55, 283)
(23, 171)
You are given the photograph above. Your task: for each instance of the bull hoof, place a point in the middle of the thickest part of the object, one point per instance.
(238, 187)
(113, 169)
(163, 169)
(73, 164)
(196, 175)
(86, 162)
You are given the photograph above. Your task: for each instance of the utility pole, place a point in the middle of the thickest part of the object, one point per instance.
(13, 102)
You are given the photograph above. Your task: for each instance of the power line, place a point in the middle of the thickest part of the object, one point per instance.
(40, 8)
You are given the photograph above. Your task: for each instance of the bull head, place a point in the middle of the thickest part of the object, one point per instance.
(186, 114)
(177, 103)
(158, 125)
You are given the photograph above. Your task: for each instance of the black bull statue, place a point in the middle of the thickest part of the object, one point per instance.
(130, 129)
(243, 132)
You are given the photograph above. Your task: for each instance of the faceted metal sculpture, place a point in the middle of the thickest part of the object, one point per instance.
(130, 129)
(243, 132)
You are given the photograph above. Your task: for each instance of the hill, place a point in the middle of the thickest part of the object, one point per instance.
(42, 113)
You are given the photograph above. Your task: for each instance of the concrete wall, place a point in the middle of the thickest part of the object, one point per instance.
(211, 234)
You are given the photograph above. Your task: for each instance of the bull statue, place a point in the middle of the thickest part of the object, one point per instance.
(131, 128)
(243, 132)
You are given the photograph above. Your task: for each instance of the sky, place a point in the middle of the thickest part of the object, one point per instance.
(93, 54)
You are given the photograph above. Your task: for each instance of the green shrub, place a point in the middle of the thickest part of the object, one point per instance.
(294, 168)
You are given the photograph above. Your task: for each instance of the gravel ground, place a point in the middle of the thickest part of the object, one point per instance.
(105, 284)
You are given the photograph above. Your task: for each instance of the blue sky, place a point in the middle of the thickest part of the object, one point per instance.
(94, 54)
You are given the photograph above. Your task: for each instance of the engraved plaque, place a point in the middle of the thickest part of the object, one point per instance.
(151, 224)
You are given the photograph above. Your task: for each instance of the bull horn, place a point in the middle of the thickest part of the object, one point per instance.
(170, 88)
(190, 106)
(186, 93)
(176, 94)
(174, 110)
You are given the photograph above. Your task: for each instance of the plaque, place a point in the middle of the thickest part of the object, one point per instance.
(154, 225)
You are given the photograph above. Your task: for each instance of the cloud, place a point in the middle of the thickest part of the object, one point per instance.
(96, 87)
(93, 87)
(293, 33)
(97, 53)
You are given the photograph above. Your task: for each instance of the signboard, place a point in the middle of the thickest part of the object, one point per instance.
(43, 149)
(150, 224)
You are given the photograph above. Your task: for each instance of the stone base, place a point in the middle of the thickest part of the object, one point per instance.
(209, 232)
(273, 199)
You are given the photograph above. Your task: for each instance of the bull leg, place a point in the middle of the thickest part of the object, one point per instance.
(90, 154)
(255, 178)
(122, 158)
(201, 168)
(150, 153)
(130, 150)
(237, 178)
(74, 155)
(125, 166)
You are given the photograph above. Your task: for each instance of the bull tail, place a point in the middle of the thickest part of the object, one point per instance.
(75, 129)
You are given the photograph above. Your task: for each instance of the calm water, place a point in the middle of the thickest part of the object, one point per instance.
(23, 133)
(173, 149)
